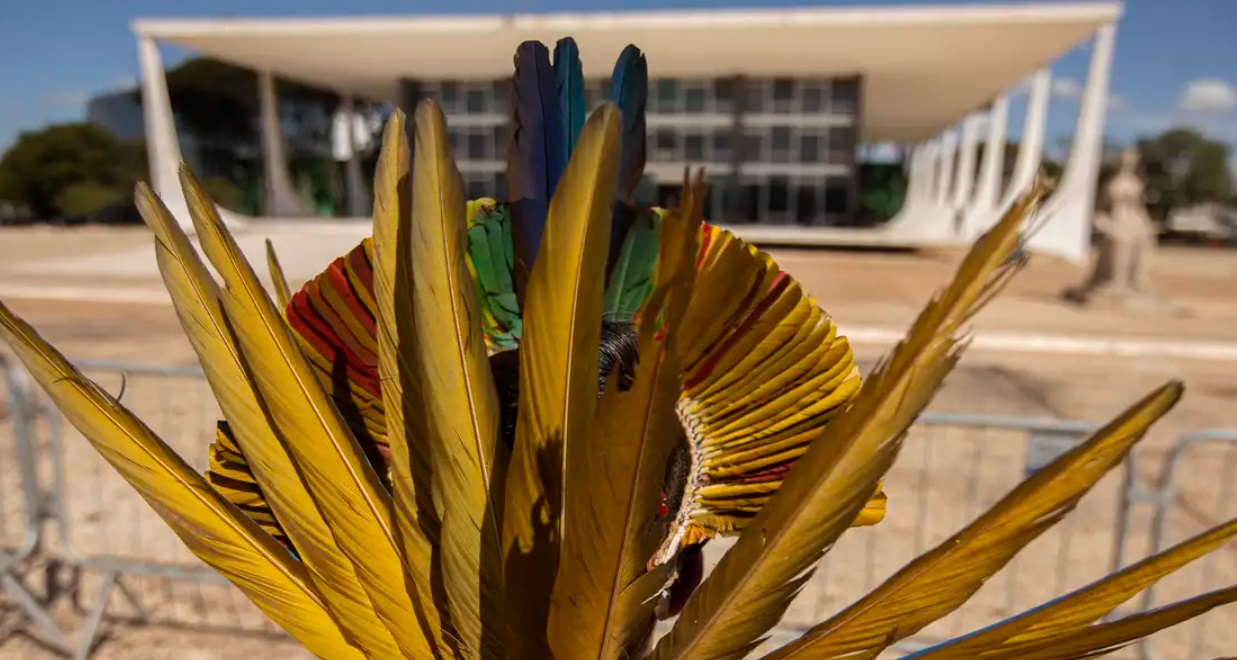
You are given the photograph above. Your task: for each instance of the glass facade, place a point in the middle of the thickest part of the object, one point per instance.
(777, 150)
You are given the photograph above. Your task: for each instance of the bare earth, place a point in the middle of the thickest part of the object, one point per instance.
(945, 476)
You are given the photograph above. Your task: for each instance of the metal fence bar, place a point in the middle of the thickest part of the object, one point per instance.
(1166, 498)
(23, 413)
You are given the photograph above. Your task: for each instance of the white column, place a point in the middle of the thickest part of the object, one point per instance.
(964, 181)
(354, 183)
(931, 171)
(945, 182)
(1066, 230)
(982, 213)
(1031, 149)
(281, 197)
(162, 146)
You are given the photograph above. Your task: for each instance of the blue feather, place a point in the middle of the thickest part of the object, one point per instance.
(569, 77)
(535, 161)
(629, 89)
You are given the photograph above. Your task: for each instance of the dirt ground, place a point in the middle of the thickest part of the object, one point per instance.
(947, 474)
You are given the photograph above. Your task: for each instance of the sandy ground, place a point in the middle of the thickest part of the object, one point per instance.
(947, 474)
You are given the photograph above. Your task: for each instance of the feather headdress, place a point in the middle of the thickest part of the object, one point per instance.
(504, 429)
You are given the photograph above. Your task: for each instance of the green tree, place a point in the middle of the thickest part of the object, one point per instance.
(42, 165)
(1183, 168)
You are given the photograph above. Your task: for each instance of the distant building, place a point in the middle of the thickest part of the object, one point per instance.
(118, 113)
(775, 103)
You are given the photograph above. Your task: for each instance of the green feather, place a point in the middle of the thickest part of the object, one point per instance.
(632, 281)
(493, 257)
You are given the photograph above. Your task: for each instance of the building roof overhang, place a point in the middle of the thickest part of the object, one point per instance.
(924, 67)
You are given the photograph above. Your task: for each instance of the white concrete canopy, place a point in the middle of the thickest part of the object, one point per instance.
(925, 67)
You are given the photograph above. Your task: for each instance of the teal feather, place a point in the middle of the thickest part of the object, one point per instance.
(569, 77)
(629, 90)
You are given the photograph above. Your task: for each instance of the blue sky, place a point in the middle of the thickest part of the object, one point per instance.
(1176, 61)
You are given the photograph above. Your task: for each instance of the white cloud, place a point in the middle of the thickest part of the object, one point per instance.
(1066, 88)
(1208, 95)
(61, 98)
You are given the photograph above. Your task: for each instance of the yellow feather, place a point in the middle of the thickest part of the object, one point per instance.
(339, 477)
(558, 375)
(416, 520)
(1102, 639)
(829, 486)
(213, 529)
(456, 405)
(283, 293)
(195, 295)
(615, 474)
(1084, 606)
(939, 581)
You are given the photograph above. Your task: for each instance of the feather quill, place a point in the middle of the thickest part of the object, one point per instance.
(195, 296)
(944, 578)
(558, 378)
(827, 488)
(609, 531)
(535, 159)
(283, 293)
(456, 405)
(417, 523)
(569, 77)
(212, 528)
(340, 478)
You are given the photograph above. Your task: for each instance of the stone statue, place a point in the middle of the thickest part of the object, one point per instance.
(1127, 239)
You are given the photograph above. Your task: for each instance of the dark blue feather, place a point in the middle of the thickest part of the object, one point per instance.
(629, 89)
(535, 160)
(569, 78)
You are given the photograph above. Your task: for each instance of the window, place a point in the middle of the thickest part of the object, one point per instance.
(695, 99)
(694, 148)
(813, 99)
(477, 187)
(476, 146)
(500, 95)
(783, 94)
(754, 97)
(753, 146)
(456, 140)
(841, 144)
(779, 195)
(666, 142)
(476, 100)
(499, 135)
(805, 211)
(809, 149)
(845, 95)
(450, 92)
(781, 144)
(721, 146)
(837, 196)
(723, 91)
(667, 95)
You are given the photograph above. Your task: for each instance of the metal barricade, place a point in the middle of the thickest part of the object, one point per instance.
(952, 468)
(1195, 491)
(21, 508)
(109, 533)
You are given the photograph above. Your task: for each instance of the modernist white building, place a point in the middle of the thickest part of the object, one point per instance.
(776, 100)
